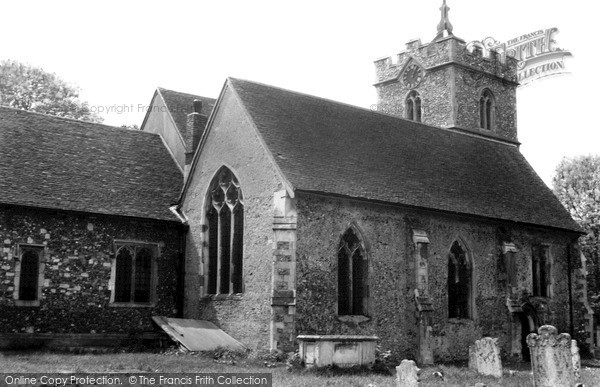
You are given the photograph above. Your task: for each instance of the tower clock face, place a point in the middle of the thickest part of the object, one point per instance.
(413, 75)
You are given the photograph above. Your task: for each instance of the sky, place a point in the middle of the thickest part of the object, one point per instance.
(118, 52)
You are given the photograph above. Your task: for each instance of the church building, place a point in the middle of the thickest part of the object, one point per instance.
(421, 223)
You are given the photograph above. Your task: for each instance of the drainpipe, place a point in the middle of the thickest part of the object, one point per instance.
(182, 231)
(180, 300)
(569, 270)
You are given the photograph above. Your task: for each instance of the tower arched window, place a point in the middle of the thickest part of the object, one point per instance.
(413, 106)
(225, 219)
(353, 271)
(459, 282)
(486, 110)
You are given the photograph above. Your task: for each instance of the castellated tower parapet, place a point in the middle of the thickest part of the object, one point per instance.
(469, 87)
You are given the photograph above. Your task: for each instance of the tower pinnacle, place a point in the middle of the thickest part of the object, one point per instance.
(444, 24)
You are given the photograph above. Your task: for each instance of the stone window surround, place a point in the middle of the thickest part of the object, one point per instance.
(549, 265)
(205, 266)
(135, 244)
(41, 251)
(421, 245)
(472, 311)
(509, 250)
(351, 318)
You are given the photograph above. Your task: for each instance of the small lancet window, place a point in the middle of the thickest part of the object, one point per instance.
(459, 283)
(353, 271)
(486, 110)
(225, 218)
(413, 106)
(30, 263)
(29, 275)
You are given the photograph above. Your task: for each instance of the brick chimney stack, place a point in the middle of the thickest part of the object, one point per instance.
(196, 123)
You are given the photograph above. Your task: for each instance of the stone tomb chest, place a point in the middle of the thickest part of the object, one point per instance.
(339, 350)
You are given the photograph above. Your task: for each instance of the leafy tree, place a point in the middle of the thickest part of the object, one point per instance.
(577, 185)
(31, 88)
(131, 127)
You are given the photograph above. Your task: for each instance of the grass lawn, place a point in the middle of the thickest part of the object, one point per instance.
(517, 375)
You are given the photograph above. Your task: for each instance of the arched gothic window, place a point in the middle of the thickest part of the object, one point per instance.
(353, 271)
(413, 106)
(225, 219)
(459, 282)
(486, 110)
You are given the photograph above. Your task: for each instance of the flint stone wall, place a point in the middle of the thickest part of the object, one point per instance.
(392, 316)
(75, 293)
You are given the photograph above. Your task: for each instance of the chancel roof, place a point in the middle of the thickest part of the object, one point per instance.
(334, 148)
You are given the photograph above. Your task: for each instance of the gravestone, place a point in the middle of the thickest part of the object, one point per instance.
(552, 361)
(472, 358)
(407, 374)
(484, 357)
(576, 360)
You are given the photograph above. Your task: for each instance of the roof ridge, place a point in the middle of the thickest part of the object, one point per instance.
(377, 112)
(181, 92)
(71, 119)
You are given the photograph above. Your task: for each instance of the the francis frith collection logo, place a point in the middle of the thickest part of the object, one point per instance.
(537, 53)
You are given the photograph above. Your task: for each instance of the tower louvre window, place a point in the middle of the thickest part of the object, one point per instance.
(413, 106)
(486, 110)
(225, 218)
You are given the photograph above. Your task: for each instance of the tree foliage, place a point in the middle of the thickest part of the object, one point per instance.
(31, 88)
(577, 185)
(130, 127)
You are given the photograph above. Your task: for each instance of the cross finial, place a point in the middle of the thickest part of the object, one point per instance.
(444, 24)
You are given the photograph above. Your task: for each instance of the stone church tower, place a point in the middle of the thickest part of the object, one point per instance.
(451, 84)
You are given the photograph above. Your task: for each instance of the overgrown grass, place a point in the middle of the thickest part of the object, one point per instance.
(173, 362)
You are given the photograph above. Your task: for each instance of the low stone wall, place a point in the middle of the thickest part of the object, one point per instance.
(17, 341)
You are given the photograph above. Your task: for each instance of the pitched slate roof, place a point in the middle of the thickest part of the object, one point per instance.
(60, 163)
(182, 104)
(334, 148)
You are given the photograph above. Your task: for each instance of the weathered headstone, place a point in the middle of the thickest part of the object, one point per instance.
(484, 357)
(576, 360)
(472, 358)
(407, 374)
(551, 358)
